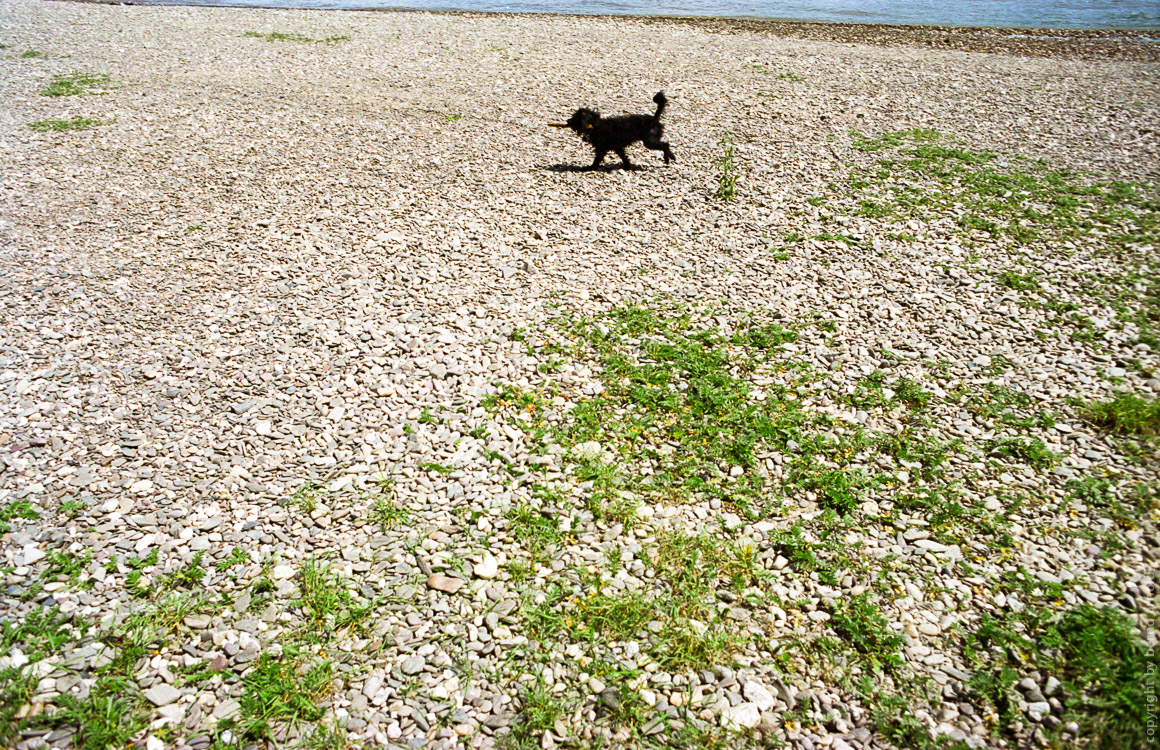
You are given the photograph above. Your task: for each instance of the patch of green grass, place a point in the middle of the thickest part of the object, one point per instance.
(929, 176)
(329, 606)
(111, 715)
(114, 711)
(894, 140)
(533, 528)
(539, 710)
(780, 75)
(327, 736)
(39, 634)
(1126, 508)
(1106, 671)
(863, 626)
(682, 613)
(1018, 281)
(71, 507)
(305, 498)
(840, 489)
(137, 566)
(16, 691)
(727, 180)
(237, 556)
(200, 672)
(1126, 413)
(949, 519)
(30, 53)
(68, 567)
(286, 688)
(929, 452)
(278, 36)
(1031, 451)
(794, 547)
(677, 397)
(694, 564)
(845, 239)
(75, 84)
(512, 397)
(893, 718)
(388, 513)
(1004, 405)
(187, 576)
(911, 393)
(17, 509)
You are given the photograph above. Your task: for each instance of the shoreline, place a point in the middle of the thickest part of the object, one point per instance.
(1141, 45)
(321, 355)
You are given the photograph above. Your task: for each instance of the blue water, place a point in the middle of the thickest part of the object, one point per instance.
(1059, 14)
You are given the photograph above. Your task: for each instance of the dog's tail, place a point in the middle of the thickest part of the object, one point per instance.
(661, 102)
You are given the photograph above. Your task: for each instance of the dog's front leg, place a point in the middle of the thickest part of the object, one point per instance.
(599, 158)
(624, 158)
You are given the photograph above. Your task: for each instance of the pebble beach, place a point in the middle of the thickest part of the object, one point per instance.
(340, 408)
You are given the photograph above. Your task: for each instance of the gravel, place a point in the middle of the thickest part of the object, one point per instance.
(279, 281)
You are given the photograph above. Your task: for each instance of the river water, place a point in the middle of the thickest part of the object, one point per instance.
(1062, 14)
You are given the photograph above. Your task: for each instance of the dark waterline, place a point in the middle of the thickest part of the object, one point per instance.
(1034, 14)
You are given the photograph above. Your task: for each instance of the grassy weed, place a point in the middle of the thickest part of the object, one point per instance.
(930, 175)
(40, 634)
(188, 575)
(278, 36)
(76, 84)
(677, 397)
(727, 180)
(1125, 507)
(539, 710)
(1031, 451)
(114, 711)
(237, 556)
(861, 624)
(68, 567)
(1102, 666)
(1126, 413)
(17, 509)
(283, 689)
(1004, 405)
(64, 126)
(329, 606)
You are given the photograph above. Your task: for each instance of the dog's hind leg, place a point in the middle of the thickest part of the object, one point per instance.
(656, 144)
(653, 141)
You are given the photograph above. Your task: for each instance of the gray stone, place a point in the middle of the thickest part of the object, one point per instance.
(758, 695)
(741, 716)
(162, 694)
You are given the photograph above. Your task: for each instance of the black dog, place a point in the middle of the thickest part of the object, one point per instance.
(614, 133)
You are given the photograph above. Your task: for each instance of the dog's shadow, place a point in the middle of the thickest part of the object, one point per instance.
(601, 168)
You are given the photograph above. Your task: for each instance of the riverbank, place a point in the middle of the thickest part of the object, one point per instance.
(335, 401)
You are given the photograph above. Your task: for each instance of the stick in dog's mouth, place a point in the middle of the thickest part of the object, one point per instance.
(557, 125)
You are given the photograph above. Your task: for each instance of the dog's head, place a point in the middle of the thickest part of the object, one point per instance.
(582, 121)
